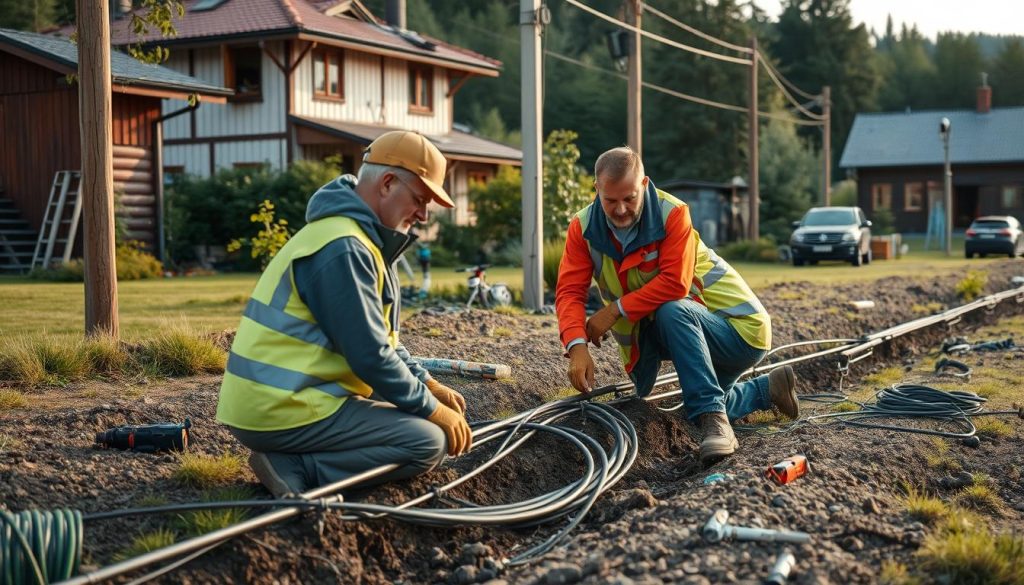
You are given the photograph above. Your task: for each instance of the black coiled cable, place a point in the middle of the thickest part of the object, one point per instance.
(40, 546)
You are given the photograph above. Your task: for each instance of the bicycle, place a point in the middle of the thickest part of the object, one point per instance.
(496, 295)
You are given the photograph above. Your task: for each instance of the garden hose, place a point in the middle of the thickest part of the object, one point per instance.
(40, 546)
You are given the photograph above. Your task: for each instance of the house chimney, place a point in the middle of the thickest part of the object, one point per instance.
(394, 13)
(984, 95)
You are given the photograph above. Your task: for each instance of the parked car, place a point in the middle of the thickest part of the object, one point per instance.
(831, 233)
(994, 234)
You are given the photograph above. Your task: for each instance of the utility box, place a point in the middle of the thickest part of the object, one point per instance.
(885, 247)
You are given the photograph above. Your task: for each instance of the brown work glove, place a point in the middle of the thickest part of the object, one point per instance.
(447, 396)
(460, 437)
(581, 368)
(600, 322)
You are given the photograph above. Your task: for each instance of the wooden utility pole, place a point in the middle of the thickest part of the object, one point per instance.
(634, 99)
(753, 229)
(826, 142)
(97, 188)
(530, 24)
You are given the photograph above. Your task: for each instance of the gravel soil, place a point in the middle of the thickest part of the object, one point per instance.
(646, 529)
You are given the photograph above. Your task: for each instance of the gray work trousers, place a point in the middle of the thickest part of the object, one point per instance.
(361, 435)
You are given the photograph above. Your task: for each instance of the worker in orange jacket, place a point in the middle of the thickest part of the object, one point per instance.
(666, 296)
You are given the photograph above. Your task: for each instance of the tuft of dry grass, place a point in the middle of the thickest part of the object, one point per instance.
(207, 471)
(941, 458)
(923, 507)
(19, 361)
(894, 573)
(980, 495)
(10, 443)
(201, 522)
(993, 427)
(845, 407)
(147, 542)
(11, 399)
(884, 377)
(179, 350)
(106, 355)
(501, 332)
(964, 550)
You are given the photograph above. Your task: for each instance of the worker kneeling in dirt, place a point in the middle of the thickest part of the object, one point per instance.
(667, 296)
(317, 383)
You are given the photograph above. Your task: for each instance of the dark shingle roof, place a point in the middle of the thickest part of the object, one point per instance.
(910, 139)
(124, 69)
(455, 144)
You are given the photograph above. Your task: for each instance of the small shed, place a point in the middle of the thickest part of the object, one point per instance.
(718, 210)
(39, 135)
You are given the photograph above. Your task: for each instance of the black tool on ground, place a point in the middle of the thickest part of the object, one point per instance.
(951, 367)
(147, 438)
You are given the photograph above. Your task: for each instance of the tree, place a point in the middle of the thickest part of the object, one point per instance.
(27, 15)
(907, 71)
(817, 44)
(789, 178)
(1008, 75)
(567, 187)
(959, 64)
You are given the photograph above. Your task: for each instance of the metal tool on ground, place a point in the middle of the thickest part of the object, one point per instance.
(482, 370)
(717, 529)
(147, 438)
(783, 566)
(787, 470)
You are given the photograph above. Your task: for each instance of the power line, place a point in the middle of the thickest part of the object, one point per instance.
(681, 95)
(699, 33)
(789, 83)
(659, 38)
(788, 96)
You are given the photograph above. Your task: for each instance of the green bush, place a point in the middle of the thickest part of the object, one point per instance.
(553, 250)
(844, 194)
(132, 263)
(882, 222)
(763, 250)
(972, 285)
(215, 210)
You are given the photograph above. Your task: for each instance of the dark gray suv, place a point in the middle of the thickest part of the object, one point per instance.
(831, 233)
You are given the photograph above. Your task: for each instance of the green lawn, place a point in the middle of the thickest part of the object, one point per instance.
(214, 303)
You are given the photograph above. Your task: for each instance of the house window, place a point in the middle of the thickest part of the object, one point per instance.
(243, 73)
(1011, 197)
(328, 82)
(881, 196)
(421, 88)
(913, 196)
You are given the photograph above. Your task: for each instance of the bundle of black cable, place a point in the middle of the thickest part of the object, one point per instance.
(40, 546)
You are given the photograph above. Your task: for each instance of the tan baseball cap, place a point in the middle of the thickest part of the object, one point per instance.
(414, 153)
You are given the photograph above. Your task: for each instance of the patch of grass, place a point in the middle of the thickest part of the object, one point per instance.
(923, 507)
(926, 308)
(980, 495)
(19, 362)
(434, 332)
(90, 393)
(502, 332)
(845, 406)
(178, 350)
(560, 393)
(963, 550)
(106, 355)
(765, 417)
(833, 310)
(884, 377)
(147, 542)
(510, 310)
(63, 358)
(790, 295)
(10, 443)
(205, 521)
(206, 471)
(993, 427)
(894, 573)
(503, 413)
(940, 458)
(972, 285)
(151, 501)
(11, 399)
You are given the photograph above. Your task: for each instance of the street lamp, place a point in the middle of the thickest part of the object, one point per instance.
(947, 186)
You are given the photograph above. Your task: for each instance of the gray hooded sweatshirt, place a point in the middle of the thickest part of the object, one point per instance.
(339, 285)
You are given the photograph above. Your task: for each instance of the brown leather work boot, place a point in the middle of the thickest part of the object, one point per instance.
(782, 391)
(719, 440)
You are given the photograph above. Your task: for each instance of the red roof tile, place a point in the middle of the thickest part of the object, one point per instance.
(251, 17)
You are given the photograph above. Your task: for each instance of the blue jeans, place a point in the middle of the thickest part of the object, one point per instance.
(709, 356)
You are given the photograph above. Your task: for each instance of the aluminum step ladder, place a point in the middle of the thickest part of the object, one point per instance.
(60, 220)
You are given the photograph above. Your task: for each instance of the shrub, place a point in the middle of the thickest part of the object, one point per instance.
(763, 250)
(553, 250)
(11, 399)
(19, 361)
(972, 285)
(844, 194)
(132, 263)
(268, 241)
(882, 222)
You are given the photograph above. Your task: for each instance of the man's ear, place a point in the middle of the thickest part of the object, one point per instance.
(646, 181)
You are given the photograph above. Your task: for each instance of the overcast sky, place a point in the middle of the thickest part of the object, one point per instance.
(933, 16)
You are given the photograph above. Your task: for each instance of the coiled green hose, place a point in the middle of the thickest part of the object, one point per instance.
(40, 546)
